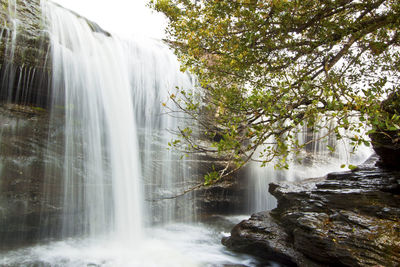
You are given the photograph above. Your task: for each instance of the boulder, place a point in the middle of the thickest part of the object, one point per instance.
(261, 236)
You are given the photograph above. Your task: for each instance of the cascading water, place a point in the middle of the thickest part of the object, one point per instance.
(111, 92)
(316, 160)
(100, 131)
(108, 152)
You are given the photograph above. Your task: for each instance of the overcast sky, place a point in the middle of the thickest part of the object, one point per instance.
(124, 17)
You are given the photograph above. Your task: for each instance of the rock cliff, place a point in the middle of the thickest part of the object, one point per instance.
(24, 47)
(30, 167)
(29, 193)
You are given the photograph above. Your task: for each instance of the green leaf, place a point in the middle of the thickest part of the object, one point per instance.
(258, 66)
(352, 167)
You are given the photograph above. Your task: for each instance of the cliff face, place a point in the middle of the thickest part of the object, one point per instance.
(347, 219)
(30, 196)
(31, 168)
(24, 47)
(25, 61)
(24, 79)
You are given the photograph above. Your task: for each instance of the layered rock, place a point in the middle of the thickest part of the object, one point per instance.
(25, 61)
(347, 219)
(225, 197)
(386, 142)
(29, 193)
(31, 141)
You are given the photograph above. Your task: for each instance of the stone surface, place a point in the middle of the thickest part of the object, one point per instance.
(227, 196)
(28, 190)
(262, 237)
(25, 60)
(347, 219)
(387, 146)
(387, 143)
(31, 168)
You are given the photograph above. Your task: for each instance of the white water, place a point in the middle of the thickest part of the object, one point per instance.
(107, 93)
(110, 91)
(315, 162)
(172, 245)
(92, 80)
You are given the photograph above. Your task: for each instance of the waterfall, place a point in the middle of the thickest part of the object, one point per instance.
(109, 92)
(109, 181)
(315, 161)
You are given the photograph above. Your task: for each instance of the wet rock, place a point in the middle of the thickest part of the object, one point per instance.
(24, 47)
(387, 146)
(347, 219)
(386, 143)
(25, 58)
(225, 197)
(262, 237)
(28, 191)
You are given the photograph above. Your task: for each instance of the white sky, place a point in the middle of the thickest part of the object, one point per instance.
(123, 17)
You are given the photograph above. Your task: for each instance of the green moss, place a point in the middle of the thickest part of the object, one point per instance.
(30, 110)
(39, 109)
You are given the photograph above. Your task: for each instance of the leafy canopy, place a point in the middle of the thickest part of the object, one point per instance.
(267, 67)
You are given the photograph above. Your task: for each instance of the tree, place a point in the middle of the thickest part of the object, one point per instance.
(267, 67)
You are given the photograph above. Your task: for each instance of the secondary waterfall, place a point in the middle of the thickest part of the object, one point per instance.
(110, 93)
(315, 161)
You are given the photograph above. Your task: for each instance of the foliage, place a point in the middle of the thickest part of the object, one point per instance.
(269, 67)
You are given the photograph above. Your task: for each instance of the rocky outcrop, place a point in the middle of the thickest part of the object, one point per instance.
(224, 197)
(29, 193)
(387, 146)
(347, 219)
(386, 142)
(227, 196)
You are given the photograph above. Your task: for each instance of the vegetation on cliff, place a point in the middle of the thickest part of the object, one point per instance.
(269, 68)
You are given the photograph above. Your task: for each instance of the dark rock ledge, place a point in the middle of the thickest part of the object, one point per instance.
(345, 219)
